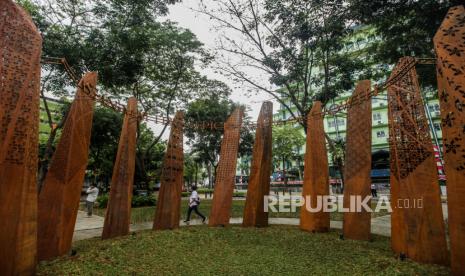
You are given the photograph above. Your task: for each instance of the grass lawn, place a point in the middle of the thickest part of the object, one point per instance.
(200, 250)
(144, 214)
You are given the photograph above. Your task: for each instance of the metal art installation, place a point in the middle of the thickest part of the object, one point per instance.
(168, 214)
(357, 171)
(316, 174)
(417, 225)
(60, 195)
(226, 171)
(21, 47)
(450, 50)
(118, 214)
(259, 181)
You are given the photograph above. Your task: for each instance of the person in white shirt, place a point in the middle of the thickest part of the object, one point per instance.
(92, 193)
(194, 201)
(374, 193)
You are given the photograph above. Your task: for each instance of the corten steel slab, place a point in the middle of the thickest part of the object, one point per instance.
(357, 171)
(21, 47)
(226, 171)
(417, 232)
(60, 195)
(450, 50)
(259, 181)
(118, 214)
(316, 173)
(168, 214)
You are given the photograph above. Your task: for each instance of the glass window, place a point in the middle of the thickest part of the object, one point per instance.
(380, 134)
(377, 116)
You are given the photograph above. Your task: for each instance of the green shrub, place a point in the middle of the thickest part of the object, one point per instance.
(102, 201)
(185, 194)
(137, 201)
(204, 190)
(239, 194)
(142, 201)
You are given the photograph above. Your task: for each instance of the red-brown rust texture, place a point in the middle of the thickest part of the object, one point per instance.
(416, 231)
(118, 214)
(450, 50)
(21, 47)
(316, 173)
(168, 211)
(226, 171)
(357, 171)
(60, 195)
(259, 183)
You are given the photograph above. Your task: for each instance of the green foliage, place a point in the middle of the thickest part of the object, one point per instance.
(142, 201)
(106, 129)
(405, 28)
(296, 45)
(287, 140)
(102, 201)
(206, 143)
(137, 201)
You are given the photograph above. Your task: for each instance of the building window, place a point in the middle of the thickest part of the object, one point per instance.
(380, 134)
(331, 122)
(437, 126)
(377, 116)
(434, 107)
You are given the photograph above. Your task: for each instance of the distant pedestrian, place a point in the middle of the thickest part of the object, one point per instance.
(194, 202)
(374, 193)
(92, 193)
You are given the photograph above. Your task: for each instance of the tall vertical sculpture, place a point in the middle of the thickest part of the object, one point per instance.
(357, 171)
(118, 215)
(416, 231)
(226, 171)
(450, 50)
(259, 181)
(21, 47)
(316, 173)
(168, 214)
(60, 195)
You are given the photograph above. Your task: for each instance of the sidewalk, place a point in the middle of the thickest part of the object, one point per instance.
(87, 228)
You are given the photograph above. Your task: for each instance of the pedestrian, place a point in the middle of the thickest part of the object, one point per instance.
(374, 193)
(194, 202)
(92, 193)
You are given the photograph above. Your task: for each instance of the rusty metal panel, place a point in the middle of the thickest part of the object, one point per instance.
(259, 181)
(316, 173)
(226, 171)
(168, 214)
(357, 170)
(450, 50)
(118, 214)
(419, 233)
(21, 47)
(60, 195)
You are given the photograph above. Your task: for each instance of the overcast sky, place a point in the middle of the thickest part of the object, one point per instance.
(202, 27)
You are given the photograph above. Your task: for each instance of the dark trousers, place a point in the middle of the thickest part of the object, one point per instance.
(374, 193)
(90, 207)
(194, 208)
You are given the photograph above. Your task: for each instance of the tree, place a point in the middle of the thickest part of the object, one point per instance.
(106, 131)
(134, 53)
(405, 28)
(287, 140)
(206, 143)
(297, 44)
